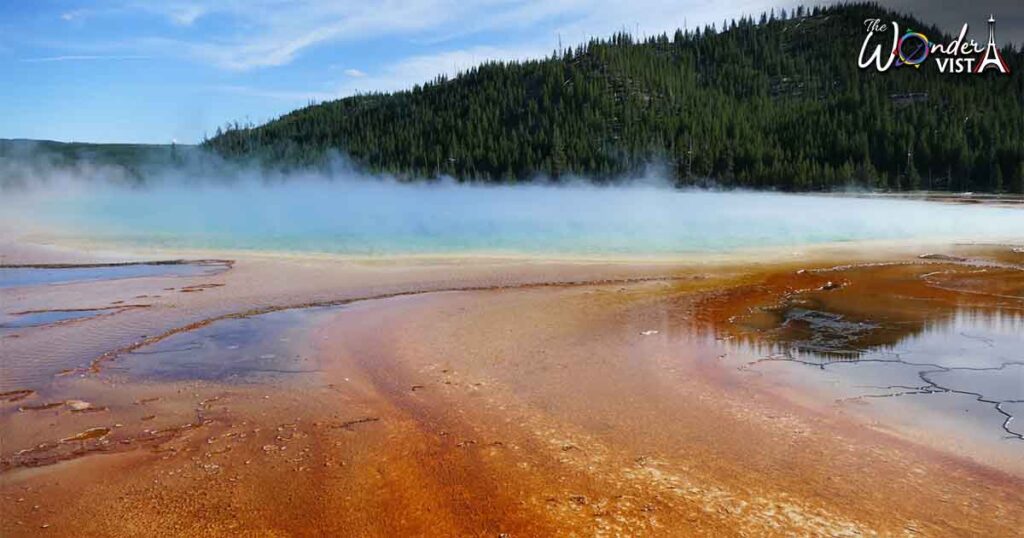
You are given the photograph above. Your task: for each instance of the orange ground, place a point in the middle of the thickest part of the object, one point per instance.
(518, 411)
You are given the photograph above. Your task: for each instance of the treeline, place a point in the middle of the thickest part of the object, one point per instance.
(776, 102)
(26, 163)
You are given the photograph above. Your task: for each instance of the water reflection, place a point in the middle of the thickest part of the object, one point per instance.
(962, 368)
(12, 277)
(46, 317)
(934, 345)
(245, 349)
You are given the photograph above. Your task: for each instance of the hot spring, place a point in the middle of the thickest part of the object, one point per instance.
(360, 216)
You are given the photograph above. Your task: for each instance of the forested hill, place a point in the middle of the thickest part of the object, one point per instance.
(776, 101)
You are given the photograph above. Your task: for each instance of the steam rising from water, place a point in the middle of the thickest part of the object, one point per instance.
(344, 212)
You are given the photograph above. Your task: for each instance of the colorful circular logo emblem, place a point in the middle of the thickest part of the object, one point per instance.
(912, 49)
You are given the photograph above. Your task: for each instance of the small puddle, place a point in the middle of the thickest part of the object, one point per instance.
(35, 319)
(247, 349)
(20, 276)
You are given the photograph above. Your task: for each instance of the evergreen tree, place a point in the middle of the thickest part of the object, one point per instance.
(776, 104)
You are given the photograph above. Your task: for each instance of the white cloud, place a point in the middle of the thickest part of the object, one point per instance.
(186, 15)
(398, 76)
(178, 12)
(267, 33)
(276, 32)
(413, 70)
(579, 21)
(72, 15)
(277, 95)
(256, 34)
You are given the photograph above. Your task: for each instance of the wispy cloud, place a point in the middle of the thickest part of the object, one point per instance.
(573, 20)
(178, 12)
(293, 96)
(269, 33)
(187, 14)
(335, 48)
(407, 72)
(397, 76)
(275, 32)
(83, 58)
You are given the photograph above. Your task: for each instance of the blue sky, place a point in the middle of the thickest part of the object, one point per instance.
(153, 71)
(156, 71)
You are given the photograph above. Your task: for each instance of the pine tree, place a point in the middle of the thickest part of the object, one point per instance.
(766, 105)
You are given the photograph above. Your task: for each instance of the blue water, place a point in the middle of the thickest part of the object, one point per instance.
(239, 349)
(12, 277)
(44, 318)
(368, 217)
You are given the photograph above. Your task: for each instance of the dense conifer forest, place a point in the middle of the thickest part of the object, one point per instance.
(771, 102)
(776, 101)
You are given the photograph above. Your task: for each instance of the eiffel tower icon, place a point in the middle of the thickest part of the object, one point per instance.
(992, 57)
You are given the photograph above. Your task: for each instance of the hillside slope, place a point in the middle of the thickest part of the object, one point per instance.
(767, 103)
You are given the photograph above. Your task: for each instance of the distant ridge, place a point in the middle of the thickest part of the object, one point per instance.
(105, 153)
(24, 161)
(772, 102)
